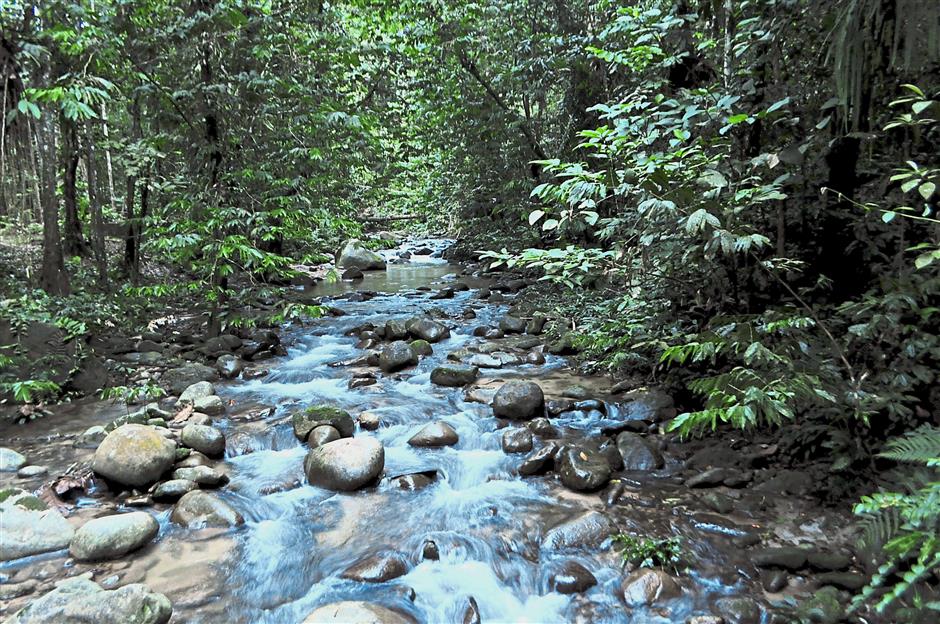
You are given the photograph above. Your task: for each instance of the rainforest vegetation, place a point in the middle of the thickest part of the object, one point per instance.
(732, 200)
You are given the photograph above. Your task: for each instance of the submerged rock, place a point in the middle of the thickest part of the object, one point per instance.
(134, 455)
(113, 536)
(356, 612)
(377, 569)
(435, 434)
(199, 509)
(519, 400)
(80, 600)
(346, 464)
(588, 529)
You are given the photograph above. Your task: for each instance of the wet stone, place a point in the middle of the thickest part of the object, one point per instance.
(739, 610)
(349, 612)
(828, 561)
(307, 420)
(646, 587)
(512, 324)
(788, 558)
(172, 490)
(207, 440)
(519, 400)
(517, 441)
(774, 580)
(435, 434)
(849, 581)
(396, 356)
(582, 469)
(322, 434)
(369, 421)
(571, 578)
(637, 453)
(588, 529)
(430, 551)
(346, 464)
(10, 460)
(79, 599)
(377, 569)
(454, 375)
(199, 509)
(112, 536)
(542, 427)
(202, 475)
(539, 461)
(31, 472)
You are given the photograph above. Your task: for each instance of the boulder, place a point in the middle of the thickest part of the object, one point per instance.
(786, 557)
(322, 434)
(454, 375)
(345, 465)
(484, 360)
(539, 462)
(645, 587)
(356, 612)
(10, 460)
(421, 347)
(28, 527)
(582, 469)
(369, 421)
(435, 434)
(588, 529)
(318, 415)
(352, 275)
(427, 329)
(113, 536)
(199, 509)
(226, 343)
(512, 324)
(201, 475)
(354, 255)
(396, 356)
(79, 600)
(210, 405)
(519, 400)
(571, 578)
(91, 437)
(207, 440)
(536, 358)
(134, 455)
(198, 390)
(176, 380)
(536, 324)
(172, 490)
(376, 569)
(229, 366)
(742, 610)
(395, 330)
(517, 440)
(637, 453)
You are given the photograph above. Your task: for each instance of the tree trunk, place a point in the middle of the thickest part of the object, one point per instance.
(74, 240)
(54, 280)
(94, 210)
(130, 238)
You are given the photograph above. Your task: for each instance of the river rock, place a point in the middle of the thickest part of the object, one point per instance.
(645, 587)
(536, 324)
(517, 441)
(355, 255)
(207, 440)
(740, 610)
(210, 405)
(539, 461)
(536, 358)
(91, 438)
(395, 330)
(198, 390)
(229, 366)
(435, 434)
(377, 569)
(787, 557)
(172, 490)
(637, 453)
(484, 360)
(588, 529)
(318, 415)
(512, 324)
(31, 472)
(427, 329)
(79, 600)
(454, 375)
(113, 536)
(28, 527)
(201, 475)
(430, 551)
(571, 578)
(345, 465)
(198, 509)
(134, 455)
(849, 581)
(582, 469)
(828, 561)
(421, 347)
(542, 427)
(471, 614)
(396, 356)
(356, 612)
(519, 400)
(10, 460)
(352, 275)
(369, 421)
(322, 434)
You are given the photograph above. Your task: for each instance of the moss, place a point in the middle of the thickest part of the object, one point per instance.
(6, 493)
(421, 347)
(31, 503)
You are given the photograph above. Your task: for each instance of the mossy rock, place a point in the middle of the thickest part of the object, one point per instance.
(304, 422)
(421, 347)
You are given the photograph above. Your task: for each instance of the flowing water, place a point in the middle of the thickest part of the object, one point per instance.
(489, 523)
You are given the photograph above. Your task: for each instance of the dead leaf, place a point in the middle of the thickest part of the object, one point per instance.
(183, 414)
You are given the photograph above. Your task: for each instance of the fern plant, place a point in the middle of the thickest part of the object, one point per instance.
(905, 525)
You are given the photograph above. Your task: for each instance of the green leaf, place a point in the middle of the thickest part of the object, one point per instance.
(907, 186)
(919, 107)
(778, 105)
(927, 189)
(926, 259)
(550, 224)
(535, 215)
(888, 216)
(736, 119)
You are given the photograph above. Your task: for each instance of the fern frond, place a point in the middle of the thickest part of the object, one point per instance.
(921, 446)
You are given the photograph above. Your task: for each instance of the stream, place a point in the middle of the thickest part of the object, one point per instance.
(501, 537)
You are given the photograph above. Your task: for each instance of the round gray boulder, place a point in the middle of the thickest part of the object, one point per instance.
(519, 400)
(435, 434)
(345, 465)
(113, 536)
(207, 440)
(79, 600)
(134, 455)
